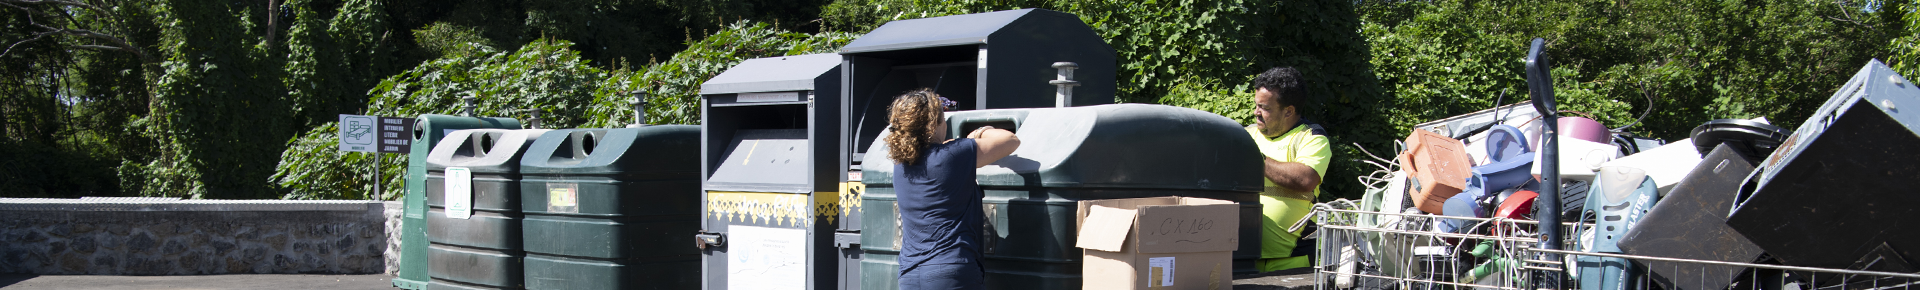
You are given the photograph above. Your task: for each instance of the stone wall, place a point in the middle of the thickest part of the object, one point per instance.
(42, 236)
(393, 212)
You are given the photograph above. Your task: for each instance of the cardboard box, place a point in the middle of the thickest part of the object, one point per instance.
(1158, 243)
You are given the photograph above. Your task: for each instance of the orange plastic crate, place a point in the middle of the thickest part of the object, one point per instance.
(1438, 165)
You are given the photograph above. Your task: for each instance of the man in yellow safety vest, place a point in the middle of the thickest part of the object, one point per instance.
(1296, 153)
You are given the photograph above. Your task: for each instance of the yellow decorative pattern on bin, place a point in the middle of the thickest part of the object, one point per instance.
(850, 197)
(826, 206)
(778, 209)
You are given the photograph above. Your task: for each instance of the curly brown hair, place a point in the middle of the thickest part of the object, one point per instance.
(910, 120)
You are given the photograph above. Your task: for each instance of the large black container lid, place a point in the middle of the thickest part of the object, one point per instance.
(969, 29)
(1133, 146)
(772, 74)
(642, 152)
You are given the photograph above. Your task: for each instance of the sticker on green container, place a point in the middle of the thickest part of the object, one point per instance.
(563, 198)
(459, 193)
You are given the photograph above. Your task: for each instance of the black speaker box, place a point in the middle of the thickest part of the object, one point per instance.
(1691, 223)
(1846, 182)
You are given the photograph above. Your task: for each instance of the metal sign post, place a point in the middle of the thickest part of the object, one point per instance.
(373, 134)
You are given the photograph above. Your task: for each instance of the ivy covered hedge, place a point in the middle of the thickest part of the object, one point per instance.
(1377, 68)
(235, 99)
(1204, 53)
(544, 75)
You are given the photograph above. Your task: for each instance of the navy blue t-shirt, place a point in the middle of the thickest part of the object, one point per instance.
(940, 211)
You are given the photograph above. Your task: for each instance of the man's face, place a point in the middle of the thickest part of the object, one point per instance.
(1272, 119)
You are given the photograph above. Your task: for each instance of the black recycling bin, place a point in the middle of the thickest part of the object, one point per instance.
(612, 208)
(784, 137)
(1068, 155)
(953, 56)
(993, 60)
(473, 221)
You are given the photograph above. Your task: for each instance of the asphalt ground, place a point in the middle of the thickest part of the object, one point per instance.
(209, 282)
(1280, 280)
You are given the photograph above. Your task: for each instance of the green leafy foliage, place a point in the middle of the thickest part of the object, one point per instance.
(673, 87)
(1204, 53)
(332, 62)
(1680, 62)
(201, 100)
(544, 75)
(1906, 49)
(64, 100)
(1691, 61)
(219, 113)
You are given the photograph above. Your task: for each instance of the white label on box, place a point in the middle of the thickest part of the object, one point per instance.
(459, 193)
(766, 258)
(1163, 267)
(768, 97)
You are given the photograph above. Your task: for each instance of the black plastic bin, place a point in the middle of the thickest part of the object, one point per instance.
(483, 249)
(428, 129)
(612, 208)
(1072, 154)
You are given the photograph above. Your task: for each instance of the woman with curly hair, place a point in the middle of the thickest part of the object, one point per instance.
(939, 202)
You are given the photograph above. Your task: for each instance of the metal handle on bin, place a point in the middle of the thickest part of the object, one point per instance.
(706, 240)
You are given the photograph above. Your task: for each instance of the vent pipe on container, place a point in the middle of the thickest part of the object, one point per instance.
(534, 117)
(639, 103)
(1064, 80)
(471, 107)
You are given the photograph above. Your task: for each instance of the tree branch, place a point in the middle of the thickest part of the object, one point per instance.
(36, 36)
(1848, 20)
(116, 42)
(99, 47)
(273, 20)
(60, 2)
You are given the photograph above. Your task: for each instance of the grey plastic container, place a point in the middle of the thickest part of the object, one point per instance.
(483, 251)
(1067, 155)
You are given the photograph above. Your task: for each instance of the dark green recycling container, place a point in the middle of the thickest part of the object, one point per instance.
(612, 208)
(428, 129)
(1067, 155)
(473, 221)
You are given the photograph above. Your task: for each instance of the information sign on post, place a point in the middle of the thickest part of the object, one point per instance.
(395, 135)
(357, 133)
